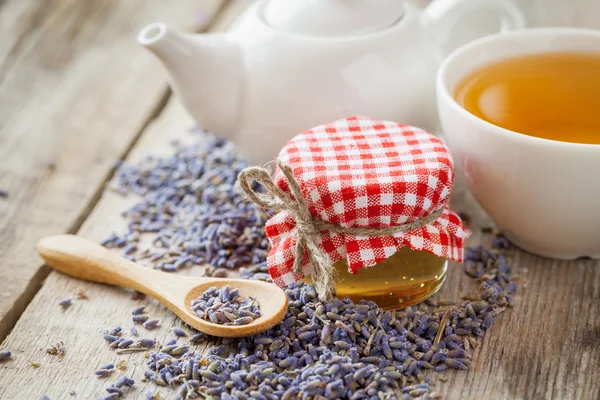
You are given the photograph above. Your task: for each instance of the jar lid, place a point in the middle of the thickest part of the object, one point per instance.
(359, 174)
(330, 18)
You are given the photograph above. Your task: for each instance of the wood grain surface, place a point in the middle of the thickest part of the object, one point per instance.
(75, 92)
(547, 347)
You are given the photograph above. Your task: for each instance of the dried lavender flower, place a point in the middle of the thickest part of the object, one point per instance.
(152, 324)
(146, 342)
(138, 310)
(198, 337)
(125, 343)
(103, 373)
(152, 396)
(139, 319)
(57, 350)
(113, 389)
(337, 349)
(125, 381)
(65, 303)
(116, 331)
(225, 306)
(5, 355)
(178, 332)
(219, 273)
(189, 204)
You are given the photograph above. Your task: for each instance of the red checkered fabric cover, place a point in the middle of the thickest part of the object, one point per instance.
(360, 172)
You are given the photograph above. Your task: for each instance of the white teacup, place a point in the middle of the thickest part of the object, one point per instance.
(543, 194)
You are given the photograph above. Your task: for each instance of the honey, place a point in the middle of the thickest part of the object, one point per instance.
(406, 278)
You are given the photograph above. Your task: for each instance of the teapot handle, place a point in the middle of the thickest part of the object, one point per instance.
(440, 17)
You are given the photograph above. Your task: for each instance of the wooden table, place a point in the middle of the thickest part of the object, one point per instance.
(77, 95)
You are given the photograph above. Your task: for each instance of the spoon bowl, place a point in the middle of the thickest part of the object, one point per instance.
(86, 260)
(273, 306)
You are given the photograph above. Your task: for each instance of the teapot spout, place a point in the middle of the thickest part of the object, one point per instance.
(205, 73)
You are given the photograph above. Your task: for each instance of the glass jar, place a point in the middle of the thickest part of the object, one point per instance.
(366, 194)
(406, 278)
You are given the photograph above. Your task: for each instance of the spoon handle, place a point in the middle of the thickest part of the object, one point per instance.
(87, 260)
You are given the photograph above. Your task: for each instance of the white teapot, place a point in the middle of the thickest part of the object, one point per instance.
(288, 65)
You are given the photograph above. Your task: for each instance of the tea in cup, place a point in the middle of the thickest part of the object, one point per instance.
(520, 114)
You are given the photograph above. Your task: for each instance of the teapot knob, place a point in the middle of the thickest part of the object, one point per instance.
(332, 17)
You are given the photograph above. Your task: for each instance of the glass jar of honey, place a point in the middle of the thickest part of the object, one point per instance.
(406, 278)
(362, 211)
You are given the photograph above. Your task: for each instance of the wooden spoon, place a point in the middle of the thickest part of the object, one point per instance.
(84, 259)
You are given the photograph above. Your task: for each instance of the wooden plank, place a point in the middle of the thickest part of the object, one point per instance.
(544, 348)
(547, 347)
(79, 327)
(75, 92)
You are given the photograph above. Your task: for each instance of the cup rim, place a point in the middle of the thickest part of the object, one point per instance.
(534, 140)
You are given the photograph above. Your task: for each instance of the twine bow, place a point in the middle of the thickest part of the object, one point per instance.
(308, 229)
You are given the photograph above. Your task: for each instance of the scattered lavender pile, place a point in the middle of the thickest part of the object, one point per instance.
(226, 307)
(344, 350)
(321, 350)
(189, 206)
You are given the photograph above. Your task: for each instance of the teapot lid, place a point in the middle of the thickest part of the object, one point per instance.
(332, 18)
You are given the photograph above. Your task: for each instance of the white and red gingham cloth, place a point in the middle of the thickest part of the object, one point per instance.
(360, 172)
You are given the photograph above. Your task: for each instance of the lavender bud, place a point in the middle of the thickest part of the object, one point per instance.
(198, 337)
(152, 324)
(115, 331)
(147, 342)
(178, 332)
(65, 303)
(179, 350)
(5, 355)
(139, 319)
(113, 389)
(125, 381)
(138, 310)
